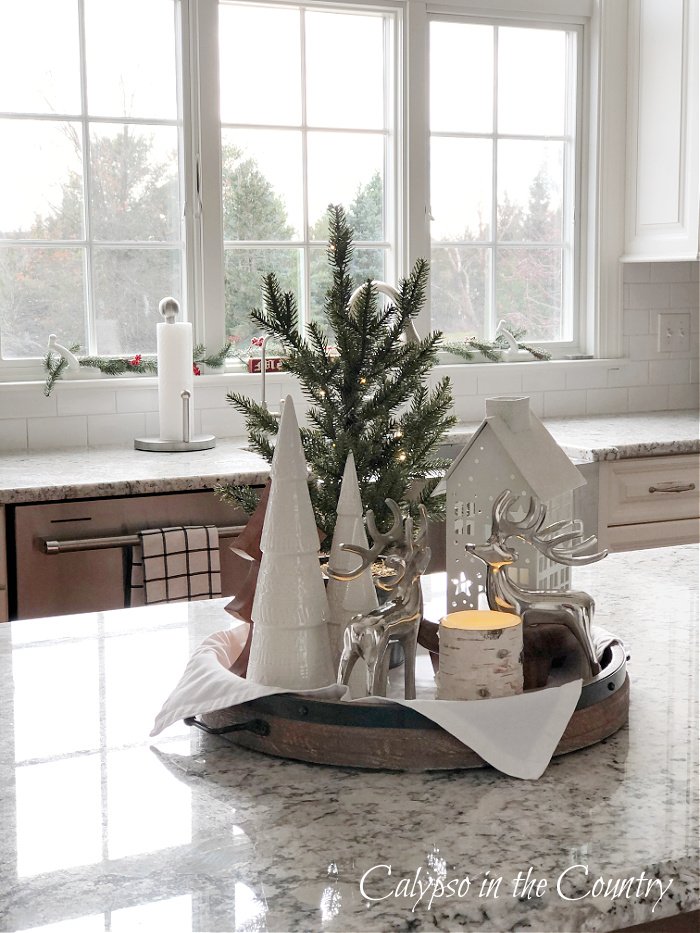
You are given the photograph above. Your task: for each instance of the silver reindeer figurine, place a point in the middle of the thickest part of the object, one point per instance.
(563, 543)
(367, 636)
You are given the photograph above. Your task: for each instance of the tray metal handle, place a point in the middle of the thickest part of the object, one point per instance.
(256, 726)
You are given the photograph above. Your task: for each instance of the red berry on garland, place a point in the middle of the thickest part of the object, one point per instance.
(136, 361)
(196, 370)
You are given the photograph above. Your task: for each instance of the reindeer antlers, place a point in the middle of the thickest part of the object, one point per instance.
(380, 540)
(400, 535)
(561, 541)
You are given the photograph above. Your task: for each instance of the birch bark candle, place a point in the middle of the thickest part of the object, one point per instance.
(174, 349)
(481, 655)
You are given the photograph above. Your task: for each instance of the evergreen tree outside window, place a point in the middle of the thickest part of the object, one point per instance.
(503, 178)
(206, 158)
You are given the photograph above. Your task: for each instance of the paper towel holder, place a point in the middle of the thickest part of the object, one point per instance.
(170, 308)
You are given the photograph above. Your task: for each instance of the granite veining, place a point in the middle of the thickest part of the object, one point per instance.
(43, 476)
(104, 829)
(617, 437)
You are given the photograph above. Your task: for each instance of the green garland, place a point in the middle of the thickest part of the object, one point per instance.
(55, 365)
(494, 350)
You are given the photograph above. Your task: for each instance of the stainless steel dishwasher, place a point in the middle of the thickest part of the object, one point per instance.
(86, 571)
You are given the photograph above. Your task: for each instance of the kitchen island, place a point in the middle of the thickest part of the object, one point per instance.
(104, 829)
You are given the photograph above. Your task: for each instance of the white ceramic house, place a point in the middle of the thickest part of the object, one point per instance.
(513, 450)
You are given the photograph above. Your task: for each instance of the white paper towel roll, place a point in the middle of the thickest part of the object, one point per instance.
(174, 342)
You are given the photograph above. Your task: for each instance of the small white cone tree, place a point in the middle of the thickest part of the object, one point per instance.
(347, 599)
(290, 646)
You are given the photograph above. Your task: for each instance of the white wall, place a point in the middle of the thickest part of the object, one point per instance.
(96, 412)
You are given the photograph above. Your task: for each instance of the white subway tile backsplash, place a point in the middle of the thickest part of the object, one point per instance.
(13, 434)
(137, 400)
(57, 432)
(683, 295)
(643, 347)
(560, 404)
(80, 401)
(212, 396)
(605, 401)
(115, 429)
(543, 379)
(669, 372)
(670, 271)
(687, 396)
(648, 398)
(651, 295)
(26, 400)
(636, 272)
(225, 422)
(462, 379)
(499, 379)
(635, 322)
(587, 377)
(469, 408)
(629, 374)
(536, 403)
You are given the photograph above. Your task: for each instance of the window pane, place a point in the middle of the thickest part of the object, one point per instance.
(530, 180)
(262, 184)
(531, 81)
(39, 56)
(260, 64)
(244, 271)
(129, 284)
(130, 50)
(135, 193)
(529, 291)
(460, 188)
(461, 77)
(42, 292)
(460, 298)
(333, 38)
(366, 264)
(41, 182)
(342, 166)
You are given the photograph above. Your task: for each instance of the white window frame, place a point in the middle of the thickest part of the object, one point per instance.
(29, 367)
(602, 159)
(206, 152)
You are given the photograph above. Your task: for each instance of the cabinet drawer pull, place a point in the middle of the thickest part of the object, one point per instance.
(673, 487)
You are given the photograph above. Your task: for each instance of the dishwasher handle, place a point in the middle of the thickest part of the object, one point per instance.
(50, 546)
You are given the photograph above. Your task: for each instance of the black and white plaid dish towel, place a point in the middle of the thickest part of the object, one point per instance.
(175, 564)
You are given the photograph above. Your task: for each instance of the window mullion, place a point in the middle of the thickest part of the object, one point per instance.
(492, 315)
(205, 181)
(89, 307)
(305, 310)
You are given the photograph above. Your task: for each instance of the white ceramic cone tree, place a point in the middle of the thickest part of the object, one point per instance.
(347, 599)
(290, 646)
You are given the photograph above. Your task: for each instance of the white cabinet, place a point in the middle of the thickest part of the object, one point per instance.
(649, 502)
(661, 196)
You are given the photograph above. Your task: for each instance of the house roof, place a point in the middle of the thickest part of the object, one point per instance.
(543, 464)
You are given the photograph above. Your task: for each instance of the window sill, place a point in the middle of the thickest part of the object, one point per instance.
(448, 365)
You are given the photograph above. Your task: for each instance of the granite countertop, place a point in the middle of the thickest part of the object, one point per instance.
(41, 476)
(104, 829)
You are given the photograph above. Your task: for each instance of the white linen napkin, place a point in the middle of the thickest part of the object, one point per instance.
(516, 735)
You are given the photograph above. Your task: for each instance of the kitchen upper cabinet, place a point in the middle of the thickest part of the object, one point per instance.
(662, 131)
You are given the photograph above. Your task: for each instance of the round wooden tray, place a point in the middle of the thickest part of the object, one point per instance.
(379, 736)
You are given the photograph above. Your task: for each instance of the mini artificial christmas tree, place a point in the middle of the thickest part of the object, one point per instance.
(348, 598)
(290, 646)
(369, 396)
